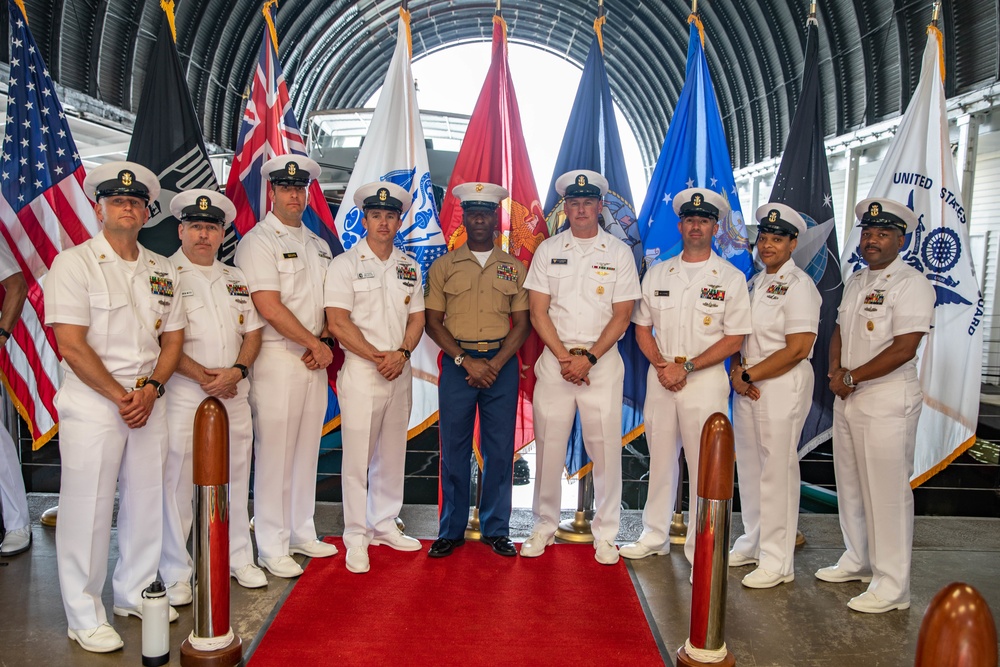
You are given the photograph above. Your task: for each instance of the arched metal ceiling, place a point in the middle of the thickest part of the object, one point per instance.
(335, 53)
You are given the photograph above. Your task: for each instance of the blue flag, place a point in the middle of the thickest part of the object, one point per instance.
(694, 154)
(592, 142)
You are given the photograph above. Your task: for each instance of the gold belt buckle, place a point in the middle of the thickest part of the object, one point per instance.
(578, 351)
(680, 360)
(482, 346)
(140, 382)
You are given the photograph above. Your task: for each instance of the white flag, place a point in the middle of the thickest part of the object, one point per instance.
(394, 151)
(919, 171)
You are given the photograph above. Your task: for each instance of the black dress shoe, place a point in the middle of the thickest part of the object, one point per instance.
(522, 473)
(443, 547)
(501, 545)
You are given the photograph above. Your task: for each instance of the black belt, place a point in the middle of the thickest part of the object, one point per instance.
(480, 345)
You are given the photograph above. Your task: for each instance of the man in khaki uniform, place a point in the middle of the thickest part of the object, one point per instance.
(477, 313)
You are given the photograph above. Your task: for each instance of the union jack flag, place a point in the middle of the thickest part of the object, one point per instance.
(44, 210)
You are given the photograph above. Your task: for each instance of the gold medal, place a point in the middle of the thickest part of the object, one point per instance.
(241, 318)
(707, 320)
(870, 325)
(158, 323)
(407, 299)
(600, 289)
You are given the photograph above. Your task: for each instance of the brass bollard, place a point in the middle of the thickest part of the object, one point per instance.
(957, 630)
(678, 529)
(717, 464)
(212, 642)
(473, 530)
(577, 529)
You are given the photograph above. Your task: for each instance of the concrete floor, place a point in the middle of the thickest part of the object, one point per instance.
(802, 624)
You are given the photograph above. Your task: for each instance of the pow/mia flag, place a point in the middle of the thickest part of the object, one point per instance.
(167, 139)
(919, 171)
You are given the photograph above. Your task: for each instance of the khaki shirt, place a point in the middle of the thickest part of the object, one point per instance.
(477, 300)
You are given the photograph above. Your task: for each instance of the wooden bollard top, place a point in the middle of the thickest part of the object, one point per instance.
(717, 459)
(210, 450)
(957, 630)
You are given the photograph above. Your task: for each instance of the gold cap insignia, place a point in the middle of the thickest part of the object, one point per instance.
(581, 180)
(479, 187)
(126, 177)
(697, 199)
(203, 203)
(772, 216)
(291, 168)
(875, 209)
(383, 194)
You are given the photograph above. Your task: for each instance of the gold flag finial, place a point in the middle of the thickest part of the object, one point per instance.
(936, 12)
(694, 6)
(168, 8)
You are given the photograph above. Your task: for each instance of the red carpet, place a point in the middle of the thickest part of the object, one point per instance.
(471, 608)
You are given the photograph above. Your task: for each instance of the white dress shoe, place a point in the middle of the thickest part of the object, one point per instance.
(736, 559)
(606, 553)
(314, 549)
(179, 593)
(763, 579)
(137, 612)
(535, 545)
(640, 549)
(869, 603)
(102, 639)
(16, 542)
(398, 541)
(835, 575)
(357, 560)
(250, 576)
(282, 566)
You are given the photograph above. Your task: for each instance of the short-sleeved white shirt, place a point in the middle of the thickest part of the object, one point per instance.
(899, 301)
(379, 295)
(125, 311)
(273, 259)
(219, 311)
(8, 265)
(781, 303)
(689, 315)
(583, 283)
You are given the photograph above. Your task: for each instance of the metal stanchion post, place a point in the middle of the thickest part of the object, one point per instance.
(472, 531)
(577, 529)
(678, 529)
(706, 644)
(212, 642)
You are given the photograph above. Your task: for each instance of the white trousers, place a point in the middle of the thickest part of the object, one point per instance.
(375, 414)
(767, 435)
(13, 500)
(288, 402)
(97, 449)
(874, 435)
(675, 420)
(183, 399)
(600, 404)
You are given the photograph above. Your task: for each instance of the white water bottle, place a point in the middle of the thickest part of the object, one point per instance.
(155, 626)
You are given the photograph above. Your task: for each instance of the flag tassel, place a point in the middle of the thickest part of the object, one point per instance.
(269, 17)
(168, 8)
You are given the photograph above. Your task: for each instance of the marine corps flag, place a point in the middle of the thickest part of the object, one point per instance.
(919, 171)
(494, 151)
(803, 182)
(167, 139)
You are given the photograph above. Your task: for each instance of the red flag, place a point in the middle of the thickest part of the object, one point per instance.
(494, 151)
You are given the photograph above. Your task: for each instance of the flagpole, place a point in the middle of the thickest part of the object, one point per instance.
(936, 13)
(497, 12)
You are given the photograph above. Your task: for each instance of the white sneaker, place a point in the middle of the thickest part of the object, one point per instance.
(250, 576)
(357, 560)
(637, 550)
(398, 541)
(282, 566)
(314, 549)
(606, 553)
(102, 639)
(760, 578)
(869, 603)
(835, 575)
(535, 545)
(137, 612)
(736, 559)
(179, 593)
(18, 541)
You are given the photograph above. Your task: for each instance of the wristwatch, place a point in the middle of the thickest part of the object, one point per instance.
(406, 353)
(5, 333)
(746, 376)
(460, 359)
(158, 386)
(326, 340)
(689, 366)
(848, 380)
(244, 371)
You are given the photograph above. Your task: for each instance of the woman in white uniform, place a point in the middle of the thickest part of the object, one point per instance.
(774, 384)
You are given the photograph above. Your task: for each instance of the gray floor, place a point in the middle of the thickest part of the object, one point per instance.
(802, 624)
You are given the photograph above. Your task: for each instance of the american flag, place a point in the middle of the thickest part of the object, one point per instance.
(44, 210)
(269, 129)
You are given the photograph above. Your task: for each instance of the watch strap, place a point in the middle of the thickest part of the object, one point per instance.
(244, 371)
(406, 353)
(158, 386)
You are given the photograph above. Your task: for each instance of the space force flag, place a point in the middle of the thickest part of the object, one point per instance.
(919, 171)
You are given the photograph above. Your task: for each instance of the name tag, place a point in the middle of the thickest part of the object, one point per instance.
(560, 260)
(187, 292)
(661, 292)
(290, 255)
(365, 275)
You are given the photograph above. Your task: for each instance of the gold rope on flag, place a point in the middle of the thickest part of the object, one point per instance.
(270, 22)
(934, 31)
(701, 28)
(24, 12)
(405, 15)
(168, 8)
(598, 24)
(499, 19)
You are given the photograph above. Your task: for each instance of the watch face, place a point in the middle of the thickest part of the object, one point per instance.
(459, 359)
(689, 366)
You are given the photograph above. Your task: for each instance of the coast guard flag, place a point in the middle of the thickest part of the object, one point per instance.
(394, 151)
(919, 171)
(803, 182)
(694, 154)
(591, 141)
(44, 211)
(269, 129)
